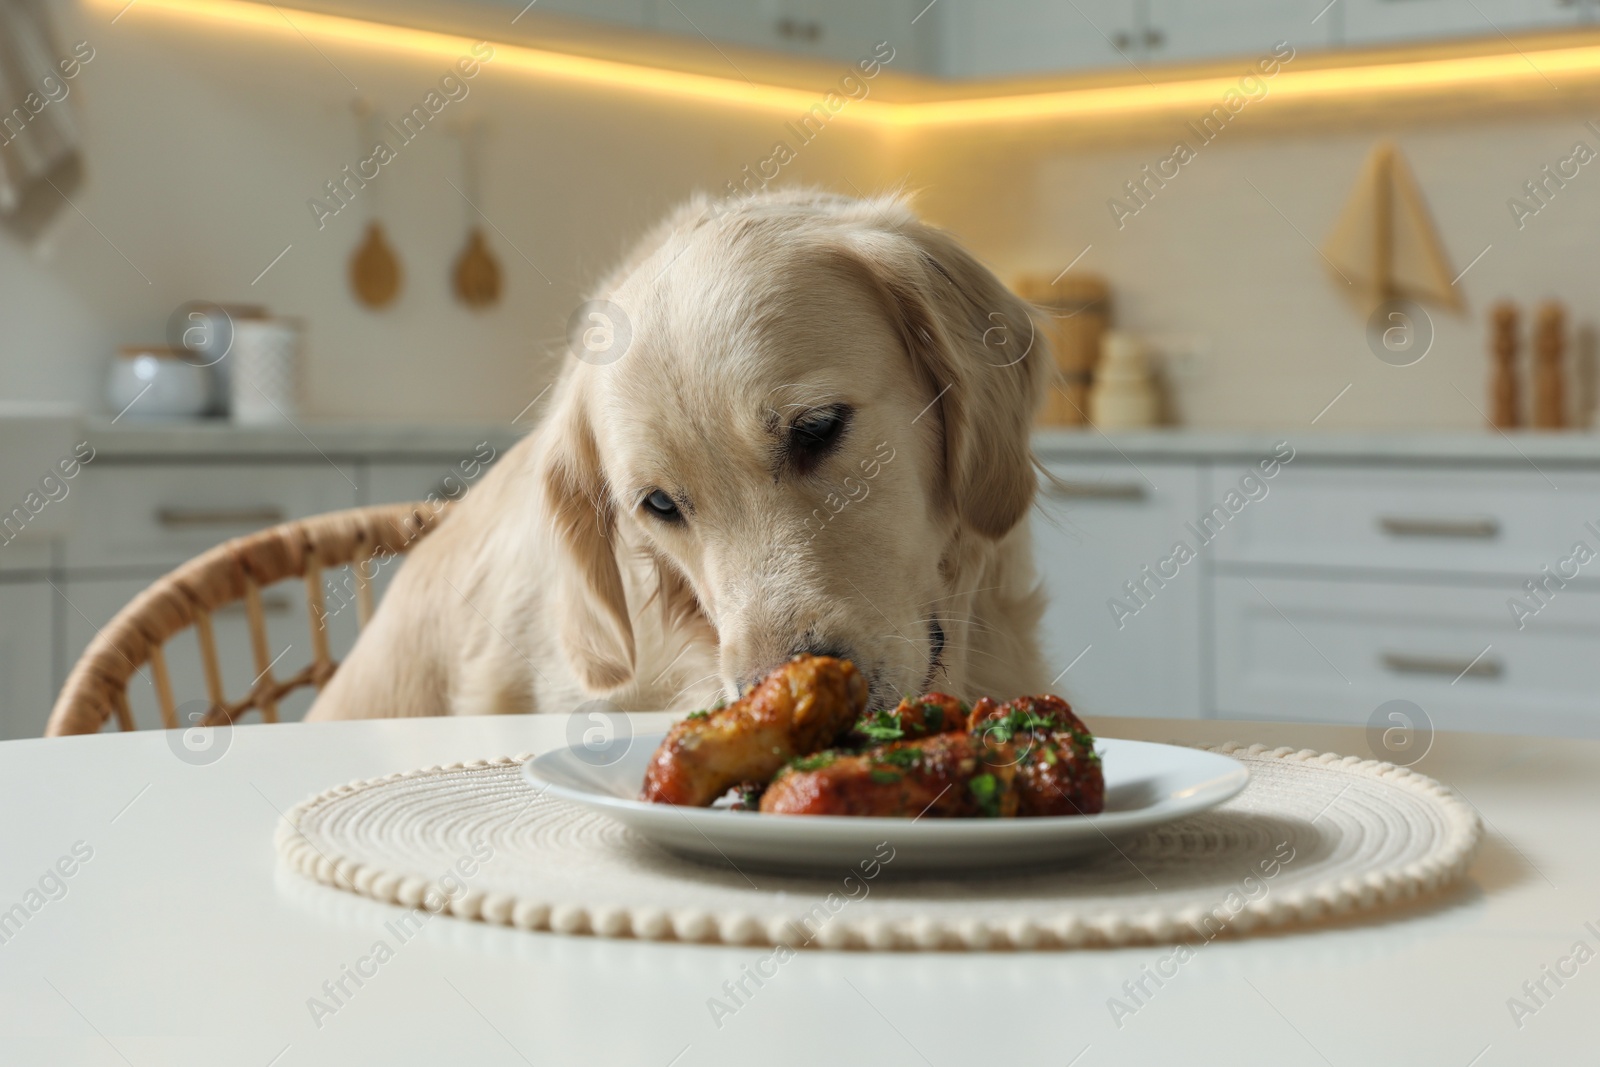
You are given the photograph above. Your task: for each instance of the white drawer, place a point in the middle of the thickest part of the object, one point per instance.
(1333, 651)
(23, 554)
(93, 603)
(448, 479)
(26, 626)
(1506, 522)
(1108, 525)
(165, 514)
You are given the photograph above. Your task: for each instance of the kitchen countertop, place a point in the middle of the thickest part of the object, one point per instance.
(217, 439)
(182, 941)
(1525, 448)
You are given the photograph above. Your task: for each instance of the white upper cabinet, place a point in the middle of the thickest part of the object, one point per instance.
(973, 39)
(997, 38)
(1368, 22)
(1184, 31)
(628, 12)
(844, 31)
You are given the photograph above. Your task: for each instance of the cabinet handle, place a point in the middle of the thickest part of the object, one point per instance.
(1396, 526)
(1154, 38)
(798, 30)
(1449, 666)
(1121, 40)
(1095, 490)
(186, 518)
(271, 605)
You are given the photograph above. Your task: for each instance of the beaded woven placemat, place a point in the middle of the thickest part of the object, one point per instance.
(1312, 838)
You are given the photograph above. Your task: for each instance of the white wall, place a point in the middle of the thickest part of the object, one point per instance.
(203, 145)
(1210, 267)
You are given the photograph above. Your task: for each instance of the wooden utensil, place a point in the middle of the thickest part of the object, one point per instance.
(477, 276)
(477, 272)
(374, 269)
(1503, 408)
(1549, 352)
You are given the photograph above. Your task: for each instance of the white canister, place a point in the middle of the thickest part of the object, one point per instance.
(205, 332)
(156, 382)
(1123, 396)
(266, 370)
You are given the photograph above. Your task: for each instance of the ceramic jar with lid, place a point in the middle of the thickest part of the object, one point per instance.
(157, 382)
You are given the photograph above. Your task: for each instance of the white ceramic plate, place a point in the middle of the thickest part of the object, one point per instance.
(1146, 785)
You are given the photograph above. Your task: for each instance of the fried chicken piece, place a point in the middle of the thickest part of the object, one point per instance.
(911, 719)
(800, 708)
(1049, 709)
(1028, 757)
(1058, 771)
(1057, 775)
(946, 776)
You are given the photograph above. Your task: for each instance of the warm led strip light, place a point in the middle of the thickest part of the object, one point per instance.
(1389, 80)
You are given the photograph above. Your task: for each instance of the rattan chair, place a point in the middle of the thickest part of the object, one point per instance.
(237, 570)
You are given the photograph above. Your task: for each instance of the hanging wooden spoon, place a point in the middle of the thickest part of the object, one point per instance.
(477, 272)
(374, 269)
(477, 275)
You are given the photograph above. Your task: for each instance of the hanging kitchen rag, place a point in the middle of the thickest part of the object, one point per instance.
(40, 161)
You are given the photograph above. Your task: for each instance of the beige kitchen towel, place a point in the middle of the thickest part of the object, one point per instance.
(41, 163)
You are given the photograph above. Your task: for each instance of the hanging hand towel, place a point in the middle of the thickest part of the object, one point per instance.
(40, 161)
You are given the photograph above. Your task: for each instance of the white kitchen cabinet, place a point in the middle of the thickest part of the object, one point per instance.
(623, 12)
(1417, 519)
(163, 514)
(449, 479)
(744, 22)
(999, 38)
(1176, 30)
(1368, 22)
(1092, 536)
(839, 30)
(27, 614)
(1324, 650)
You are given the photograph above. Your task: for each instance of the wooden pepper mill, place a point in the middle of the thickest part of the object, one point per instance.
(1549, 350)
(1503, 406)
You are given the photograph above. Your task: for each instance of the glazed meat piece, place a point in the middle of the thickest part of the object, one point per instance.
(1028, 757)
(1029, 712)
(798, 709)
(946, 776)
(910, 720)
(1058, 775)
(1058, 771)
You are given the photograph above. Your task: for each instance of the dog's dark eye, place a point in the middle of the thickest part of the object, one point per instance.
(815, 434)
(662, 506)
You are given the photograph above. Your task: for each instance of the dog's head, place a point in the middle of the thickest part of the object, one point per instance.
(822, 412)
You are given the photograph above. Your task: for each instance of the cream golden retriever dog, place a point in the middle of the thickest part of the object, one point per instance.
(811, 435)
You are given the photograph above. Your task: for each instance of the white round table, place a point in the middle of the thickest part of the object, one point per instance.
(144, 921)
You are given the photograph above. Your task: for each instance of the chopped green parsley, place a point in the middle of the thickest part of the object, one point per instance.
(813, 763)
(985, 790)
(898, 757)
(880, 726)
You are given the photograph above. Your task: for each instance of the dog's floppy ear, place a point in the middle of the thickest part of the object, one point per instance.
(978, 347)
(596, 633)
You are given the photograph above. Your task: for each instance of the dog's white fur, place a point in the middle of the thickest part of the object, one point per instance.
(550, 584)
